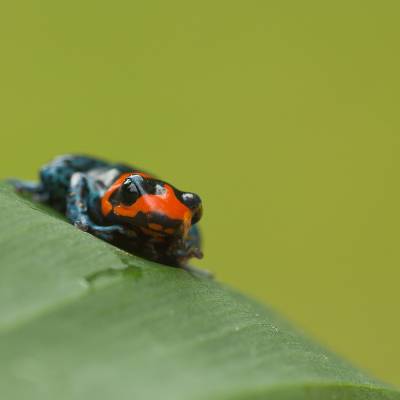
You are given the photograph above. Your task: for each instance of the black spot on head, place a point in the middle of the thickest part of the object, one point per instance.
(193, 202)
(161, 219)
(128, 192)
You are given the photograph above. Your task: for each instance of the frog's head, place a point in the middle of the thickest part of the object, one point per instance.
(152, 205)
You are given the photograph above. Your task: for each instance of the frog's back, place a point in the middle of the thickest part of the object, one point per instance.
(55, 176)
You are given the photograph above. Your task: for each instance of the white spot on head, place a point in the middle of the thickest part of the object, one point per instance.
(160, 190)
(187, 196)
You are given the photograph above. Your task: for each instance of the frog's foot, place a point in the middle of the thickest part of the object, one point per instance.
(35, 189)
(187, 250)
(106, 233)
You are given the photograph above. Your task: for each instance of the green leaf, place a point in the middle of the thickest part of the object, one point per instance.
(80, 319)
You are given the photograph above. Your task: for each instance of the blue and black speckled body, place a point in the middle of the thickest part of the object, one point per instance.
(55, 177)
(122, 205)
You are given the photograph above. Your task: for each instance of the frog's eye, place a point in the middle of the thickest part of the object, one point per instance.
(129, 192)
(193, 201)
(197, 214)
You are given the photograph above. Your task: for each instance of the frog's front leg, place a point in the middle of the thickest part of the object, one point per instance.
(77, 210)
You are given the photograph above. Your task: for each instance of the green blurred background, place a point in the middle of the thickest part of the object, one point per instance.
(284, 116)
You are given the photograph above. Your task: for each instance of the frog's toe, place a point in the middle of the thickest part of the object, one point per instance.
(108, 237)
(83, 226)
(196, 252)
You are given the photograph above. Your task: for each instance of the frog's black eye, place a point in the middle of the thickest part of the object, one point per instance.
(193, 201)
(197, 214)
(129, 192)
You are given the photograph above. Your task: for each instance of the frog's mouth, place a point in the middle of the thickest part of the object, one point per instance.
(162, 225)
(159, 225)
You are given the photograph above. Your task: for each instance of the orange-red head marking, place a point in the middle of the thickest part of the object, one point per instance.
(151, 204)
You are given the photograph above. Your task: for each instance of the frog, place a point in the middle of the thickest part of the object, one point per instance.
(122, 205)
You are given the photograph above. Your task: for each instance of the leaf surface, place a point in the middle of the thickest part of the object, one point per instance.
(80, 319)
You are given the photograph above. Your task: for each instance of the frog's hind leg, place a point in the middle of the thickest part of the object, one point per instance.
(36, 190)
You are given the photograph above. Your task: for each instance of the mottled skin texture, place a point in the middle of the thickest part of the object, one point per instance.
(122, 205)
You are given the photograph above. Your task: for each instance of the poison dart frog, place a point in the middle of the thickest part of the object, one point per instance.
(122, 205)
